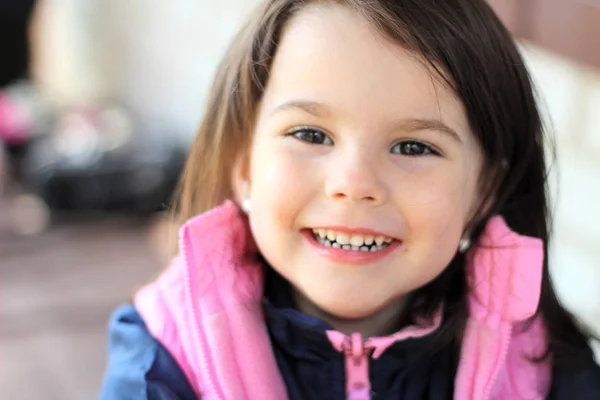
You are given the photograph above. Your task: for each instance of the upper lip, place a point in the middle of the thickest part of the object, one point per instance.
(354, 231)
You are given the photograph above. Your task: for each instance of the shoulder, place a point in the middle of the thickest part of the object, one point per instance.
(139, 367)
(161, 303)
(581, 381)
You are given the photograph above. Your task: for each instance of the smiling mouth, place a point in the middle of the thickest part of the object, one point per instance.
(351, 242)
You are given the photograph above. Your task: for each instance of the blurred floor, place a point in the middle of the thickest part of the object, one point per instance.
(57, 291)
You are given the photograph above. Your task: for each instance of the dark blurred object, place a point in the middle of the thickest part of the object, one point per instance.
(82, 158)
(14, 16)
(95, 158)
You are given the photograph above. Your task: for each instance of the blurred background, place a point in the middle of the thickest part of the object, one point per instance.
(99, 101)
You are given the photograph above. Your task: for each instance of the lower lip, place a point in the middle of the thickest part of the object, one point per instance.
(349, 256)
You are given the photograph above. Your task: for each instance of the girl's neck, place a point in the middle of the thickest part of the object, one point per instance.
(382, 323)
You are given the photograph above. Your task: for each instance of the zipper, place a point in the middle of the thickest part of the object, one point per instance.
(212, 391)
(501, 361)
(357, 354)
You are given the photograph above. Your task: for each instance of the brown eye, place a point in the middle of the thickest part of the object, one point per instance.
(412, 148)
(312, 136)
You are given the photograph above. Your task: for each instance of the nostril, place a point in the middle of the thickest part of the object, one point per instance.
(363, 198)
(356, 191)
(341, 196)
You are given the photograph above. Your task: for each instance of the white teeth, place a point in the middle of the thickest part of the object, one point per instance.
(357, 240)
(342, 239)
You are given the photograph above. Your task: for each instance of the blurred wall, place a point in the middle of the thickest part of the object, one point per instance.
(156, 57)
(567, 27)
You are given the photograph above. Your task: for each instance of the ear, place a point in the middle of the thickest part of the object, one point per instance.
(240, 178)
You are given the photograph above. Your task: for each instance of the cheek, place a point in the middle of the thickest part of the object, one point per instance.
(436, 209)
(281, 183)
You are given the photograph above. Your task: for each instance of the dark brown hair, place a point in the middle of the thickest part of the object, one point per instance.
(471, 50)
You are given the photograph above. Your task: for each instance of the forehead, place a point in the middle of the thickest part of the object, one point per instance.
(330, 54)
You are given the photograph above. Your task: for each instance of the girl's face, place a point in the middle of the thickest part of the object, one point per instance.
(357, 140)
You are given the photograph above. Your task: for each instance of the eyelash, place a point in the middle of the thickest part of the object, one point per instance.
(299, 133)
(422, 149)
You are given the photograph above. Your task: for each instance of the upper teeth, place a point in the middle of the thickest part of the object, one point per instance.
(353, 240)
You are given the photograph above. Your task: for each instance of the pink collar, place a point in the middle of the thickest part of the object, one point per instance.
(380, 344)
(206, 309)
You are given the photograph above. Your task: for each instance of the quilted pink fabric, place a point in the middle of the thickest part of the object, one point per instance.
(206, 309)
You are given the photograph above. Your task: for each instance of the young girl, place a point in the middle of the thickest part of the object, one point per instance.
(392, 235)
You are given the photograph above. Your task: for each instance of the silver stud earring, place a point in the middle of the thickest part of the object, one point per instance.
(464, 244)
(246, 205)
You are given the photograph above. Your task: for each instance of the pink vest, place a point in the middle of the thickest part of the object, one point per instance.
(206, 310)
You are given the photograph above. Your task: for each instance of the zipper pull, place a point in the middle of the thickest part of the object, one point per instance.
(357, 353)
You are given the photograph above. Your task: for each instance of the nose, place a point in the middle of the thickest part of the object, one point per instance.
(356, 178)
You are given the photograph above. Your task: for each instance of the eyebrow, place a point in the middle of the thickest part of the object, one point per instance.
(310, 107)
(424, 124)
(408, 125)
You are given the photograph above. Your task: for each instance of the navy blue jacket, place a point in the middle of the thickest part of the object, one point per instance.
(141, 368)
